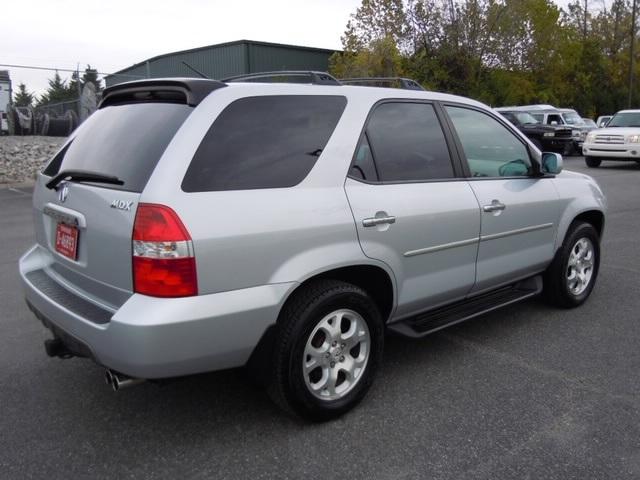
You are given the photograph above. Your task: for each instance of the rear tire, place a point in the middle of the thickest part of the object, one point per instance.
(327, 351)
(593, 162)
(570, 278)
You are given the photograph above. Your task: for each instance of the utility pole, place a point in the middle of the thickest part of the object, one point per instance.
(631, 52)
(79, 91)
(584, 20)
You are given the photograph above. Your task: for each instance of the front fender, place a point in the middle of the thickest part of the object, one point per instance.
(582, 194)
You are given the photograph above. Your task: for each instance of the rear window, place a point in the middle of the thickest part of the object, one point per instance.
(125, 141)
(264, 142)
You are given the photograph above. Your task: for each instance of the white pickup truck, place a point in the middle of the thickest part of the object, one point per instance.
(620, 140)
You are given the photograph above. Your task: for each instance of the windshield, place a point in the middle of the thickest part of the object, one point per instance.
(572, 118)
(525, 118)
(629, 119)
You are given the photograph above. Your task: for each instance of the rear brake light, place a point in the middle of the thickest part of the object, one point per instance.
(163, 260)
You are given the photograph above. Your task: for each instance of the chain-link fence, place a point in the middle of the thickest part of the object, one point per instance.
(54, 119)
(59, 109)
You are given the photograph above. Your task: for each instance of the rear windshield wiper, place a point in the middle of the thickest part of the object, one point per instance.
(82, 176)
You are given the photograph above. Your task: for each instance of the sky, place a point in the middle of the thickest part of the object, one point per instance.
(111, 35)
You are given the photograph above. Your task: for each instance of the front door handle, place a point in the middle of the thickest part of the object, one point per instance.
(495, 206)
(373, 221)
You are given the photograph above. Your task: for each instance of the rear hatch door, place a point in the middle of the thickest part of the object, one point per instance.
(85, 223)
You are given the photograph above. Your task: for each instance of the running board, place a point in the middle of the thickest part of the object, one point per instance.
(439, 318)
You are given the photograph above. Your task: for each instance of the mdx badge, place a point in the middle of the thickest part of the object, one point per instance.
(122, 205)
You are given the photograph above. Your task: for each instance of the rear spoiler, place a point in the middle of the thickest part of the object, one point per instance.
(190, 91)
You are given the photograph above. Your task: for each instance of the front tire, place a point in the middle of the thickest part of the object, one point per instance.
(329, 347)
(570, 278)
(593, 162)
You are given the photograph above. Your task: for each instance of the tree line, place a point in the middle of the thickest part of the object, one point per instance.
(58, 90)
(501, 52)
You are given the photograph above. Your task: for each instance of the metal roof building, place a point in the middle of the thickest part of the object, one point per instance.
(226, 60)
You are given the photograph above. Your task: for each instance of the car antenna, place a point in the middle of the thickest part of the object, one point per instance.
(195, 70)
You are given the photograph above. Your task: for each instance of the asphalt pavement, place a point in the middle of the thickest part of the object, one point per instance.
(525, 392)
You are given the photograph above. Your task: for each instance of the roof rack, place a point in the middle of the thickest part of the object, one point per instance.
(404, 83)
(315, 78)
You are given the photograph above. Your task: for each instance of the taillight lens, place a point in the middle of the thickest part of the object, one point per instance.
(163, 260)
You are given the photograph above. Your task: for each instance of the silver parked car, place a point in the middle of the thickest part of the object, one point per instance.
(191, 225)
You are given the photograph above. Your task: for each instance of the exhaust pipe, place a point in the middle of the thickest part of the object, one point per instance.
(118, 381)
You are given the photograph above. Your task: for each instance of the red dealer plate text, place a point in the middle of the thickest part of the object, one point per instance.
(67, 240)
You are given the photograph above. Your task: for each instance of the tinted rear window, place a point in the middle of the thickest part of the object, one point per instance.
(125, 141)
(408, 143)
(264, 142)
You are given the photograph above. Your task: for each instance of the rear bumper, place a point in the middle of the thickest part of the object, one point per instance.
(617, 152)
(151, 337)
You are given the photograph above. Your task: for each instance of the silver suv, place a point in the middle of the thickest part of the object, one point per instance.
(191, 225)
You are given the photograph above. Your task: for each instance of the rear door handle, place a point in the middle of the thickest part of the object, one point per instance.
(373, 221)
(495, 206)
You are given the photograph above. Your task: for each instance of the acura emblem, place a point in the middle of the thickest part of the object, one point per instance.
(63, 193)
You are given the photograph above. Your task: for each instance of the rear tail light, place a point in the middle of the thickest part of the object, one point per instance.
(163, 260)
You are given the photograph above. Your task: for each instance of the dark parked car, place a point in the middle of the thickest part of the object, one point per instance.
(546, 137)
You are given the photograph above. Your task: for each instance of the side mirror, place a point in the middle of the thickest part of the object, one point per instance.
(551, 163)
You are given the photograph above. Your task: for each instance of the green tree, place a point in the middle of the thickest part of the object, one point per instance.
(74, 88)
(57, 91)
(381, 59)
(22, 97)
(371, 41)
(498, 51)
(373, 21)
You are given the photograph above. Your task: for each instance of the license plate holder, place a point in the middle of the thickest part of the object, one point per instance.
(67, 240)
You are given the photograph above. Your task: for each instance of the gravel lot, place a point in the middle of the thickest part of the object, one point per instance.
(525, 392)
(22, 157)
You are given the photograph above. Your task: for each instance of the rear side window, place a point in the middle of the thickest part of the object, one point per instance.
(363, 166)
(125, 141)
(264, 142)
(408, 143)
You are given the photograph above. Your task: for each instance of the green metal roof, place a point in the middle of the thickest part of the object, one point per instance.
(227, 59)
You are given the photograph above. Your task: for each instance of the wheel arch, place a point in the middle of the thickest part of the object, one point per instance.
(376, 280)
(593, 216)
